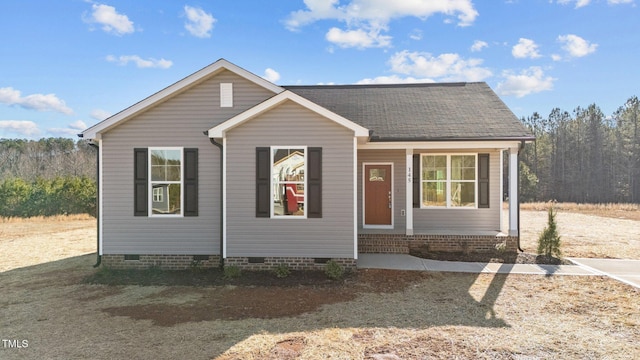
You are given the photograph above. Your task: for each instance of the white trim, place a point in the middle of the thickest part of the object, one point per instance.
(440, 145)
(448, 182)
(150, 182)
(501, 189)
(355, 198)
(306, 154)
(224, 198)
(101, 200)
(513, 191)
(162, 95)
(409, 192)
(219, 131)
(364, 205)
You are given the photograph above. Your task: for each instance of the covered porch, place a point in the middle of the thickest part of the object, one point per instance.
(446, 229)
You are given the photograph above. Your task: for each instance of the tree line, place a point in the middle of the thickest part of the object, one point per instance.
(47, 177)
(583, 156)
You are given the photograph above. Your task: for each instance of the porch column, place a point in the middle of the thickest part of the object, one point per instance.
(513, 192)
(409, 191)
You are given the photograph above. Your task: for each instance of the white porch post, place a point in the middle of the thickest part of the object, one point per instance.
(513, 192)
(409, 192)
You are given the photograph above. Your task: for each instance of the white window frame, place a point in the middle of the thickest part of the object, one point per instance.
(448, 182)
(181, 182)
(158, 196)
(272, 185)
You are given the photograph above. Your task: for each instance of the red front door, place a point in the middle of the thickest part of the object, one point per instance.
(377, 194)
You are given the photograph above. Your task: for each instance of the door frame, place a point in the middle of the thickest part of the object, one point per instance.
(364, 205)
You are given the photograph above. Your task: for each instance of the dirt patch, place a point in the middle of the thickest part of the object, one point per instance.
(245, 300)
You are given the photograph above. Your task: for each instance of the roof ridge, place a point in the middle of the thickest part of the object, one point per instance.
(397, 85)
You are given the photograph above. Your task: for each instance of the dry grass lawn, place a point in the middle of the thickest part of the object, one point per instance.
(379, 315)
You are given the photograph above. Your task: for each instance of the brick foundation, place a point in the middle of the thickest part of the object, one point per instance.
(293, 263)
(402, 244)
(165, 262)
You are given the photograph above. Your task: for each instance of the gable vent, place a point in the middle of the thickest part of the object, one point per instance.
(226, 95)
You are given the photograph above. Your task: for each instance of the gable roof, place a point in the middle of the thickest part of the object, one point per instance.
(421, 112)
(220, 130)
(172, 90)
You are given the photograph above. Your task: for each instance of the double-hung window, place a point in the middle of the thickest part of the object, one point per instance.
(166, 181)
(288, 181)
(449, 180)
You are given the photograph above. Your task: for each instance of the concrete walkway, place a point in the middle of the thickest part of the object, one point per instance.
(408, 262)
(626, 271)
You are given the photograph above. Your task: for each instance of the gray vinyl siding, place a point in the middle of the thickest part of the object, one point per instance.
(466, 220)
(290, 124)
(398, 158)
(179, 121)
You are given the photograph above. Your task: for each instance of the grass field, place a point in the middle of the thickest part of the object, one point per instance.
(371, 315)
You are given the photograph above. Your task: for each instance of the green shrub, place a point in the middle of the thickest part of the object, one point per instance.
(333, 270)
(231, 272)
(281, 271)
(549, 240)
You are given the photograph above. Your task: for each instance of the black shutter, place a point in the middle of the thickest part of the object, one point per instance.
(140, 182)
(263, 182)
(190, 182)
(314, 182)
(483, 180)
(416, 180)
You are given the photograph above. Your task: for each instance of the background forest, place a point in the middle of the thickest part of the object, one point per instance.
(583, 156)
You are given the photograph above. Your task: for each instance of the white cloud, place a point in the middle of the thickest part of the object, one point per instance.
(111, 21)
(575, 46)
(416, 35)
(140, 62)
(40, 102)
(526, 48)
(73, 129)
(19, 127)
(199, 23)
(617, 2)
(444, 67)
(478, 45)
(271, 75)
(529, 81)
(78, 125)
(100, 114)
(366, 19)
(358, 38)
(579, 3)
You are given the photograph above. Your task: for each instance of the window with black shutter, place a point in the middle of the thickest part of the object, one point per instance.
(165, 181)
(289, 182)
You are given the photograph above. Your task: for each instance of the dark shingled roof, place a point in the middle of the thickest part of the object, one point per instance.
(419, 112)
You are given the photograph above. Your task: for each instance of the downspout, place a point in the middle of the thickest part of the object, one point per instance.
(98, 256)
(219, 146)
(518, 178)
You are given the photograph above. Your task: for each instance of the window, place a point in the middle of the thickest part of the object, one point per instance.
(166, 180)
(288, 184)
(158, 194)
(305, 174)
(449, 180)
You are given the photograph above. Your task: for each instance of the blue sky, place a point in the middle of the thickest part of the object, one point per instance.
(67, 64)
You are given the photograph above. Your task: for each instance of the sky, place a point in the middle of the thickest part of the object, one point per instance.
(68, 64)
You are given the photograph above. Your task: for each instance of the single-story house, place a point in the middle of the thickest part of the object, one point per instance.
(226, 167)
